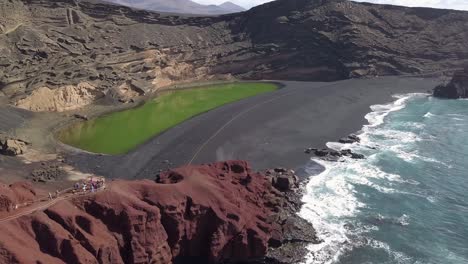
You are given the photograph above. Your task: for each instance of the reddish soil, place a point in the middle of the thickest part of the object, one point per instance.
(209, 213)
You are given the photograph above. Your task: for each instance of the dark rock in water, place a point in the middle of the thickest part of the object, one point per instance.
(354, 137)
(346, 152)
(334, 155)
(310, 150)
(456, 88)
(349, 139)
(357, 156)
(321, 152)
(346, 140)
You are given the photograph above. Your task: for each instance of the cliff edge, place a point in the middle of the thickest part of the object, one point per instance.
(216, 213)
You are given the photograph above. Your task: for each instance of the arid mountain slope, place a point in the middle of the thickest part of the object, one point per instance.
(181, 6)
(119, 52)
(231, 7)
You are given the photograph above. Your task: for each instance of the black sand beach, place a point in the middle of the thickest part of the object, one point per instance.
(268, 130)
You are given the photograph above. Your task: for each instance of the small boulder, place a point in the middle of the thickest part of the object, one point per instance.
(283, 183)
(346, 152)
(357, 156)
(349, 139)
(346, 140)
(321, 152)
(354, 137)
(12, 147)
(282, 179)
(335, 153)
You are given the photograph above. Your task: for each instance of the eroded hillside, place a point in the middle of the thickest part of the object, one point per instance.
(121, 53)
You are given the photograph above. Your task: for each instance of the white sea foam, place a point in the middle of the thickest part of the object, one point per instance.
(429, 114)
(431, 199)
(397, 257)
(379, 112)
(404, 220)
(331, 199)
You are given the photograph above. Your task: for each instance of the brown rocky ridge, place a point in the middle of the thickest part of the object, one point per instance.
(214, 213)
(65, 54)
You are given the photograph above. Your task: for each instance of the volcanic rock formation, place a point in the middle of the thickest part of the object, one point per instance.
(215, 213)
(456, 88)
(12, 146)
(65, 43)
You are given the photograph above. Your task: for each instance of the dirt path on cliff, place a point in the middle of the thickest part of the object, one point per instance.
(268, 130)
(41, 206)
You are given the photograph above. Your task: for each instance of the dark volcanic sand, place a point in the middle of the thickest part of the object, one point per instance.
(268, 130)
(12, 118)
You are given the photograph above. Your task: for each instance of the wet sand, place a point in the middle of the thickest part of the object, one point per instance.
(268, 130)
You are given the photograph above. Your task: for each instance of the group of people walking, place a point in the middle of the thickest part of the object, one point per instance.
(91, 184)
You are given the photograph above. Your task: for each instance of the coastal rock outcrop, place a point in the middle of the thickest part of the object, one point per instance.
(215, 213)
(349, 139)
(333, 155)
(456, 88)
(329, 154)
(283, 179)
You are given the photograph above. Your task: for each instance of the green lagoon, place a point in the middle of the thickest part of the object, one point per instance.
(120, 132)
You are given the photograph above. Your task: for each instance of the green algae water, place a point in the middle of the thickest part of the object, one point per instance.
(120, 132)
(407, 202)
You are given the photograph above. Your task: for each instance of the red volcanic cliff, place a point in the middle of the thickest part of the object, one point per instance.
(210, 213)
(17, 193)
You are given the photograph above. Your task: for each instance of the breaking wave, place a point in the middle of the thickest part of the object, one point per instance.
(343, 202)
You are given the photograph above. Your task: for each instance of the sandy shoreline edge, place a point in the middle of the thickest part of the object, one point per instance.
(268, 130)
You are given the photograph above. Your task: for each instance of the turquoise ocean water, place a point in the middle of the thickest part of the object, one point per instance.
(407, 202)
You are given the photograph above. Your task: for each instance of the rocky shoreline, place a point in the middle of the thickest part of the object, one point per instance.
(456, 88)
(215, 213)
(334, 155)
